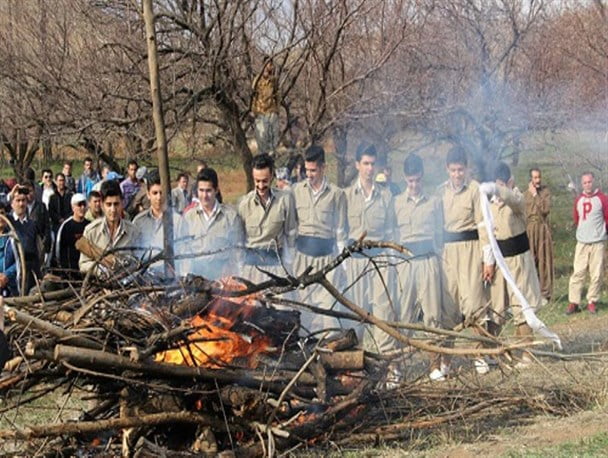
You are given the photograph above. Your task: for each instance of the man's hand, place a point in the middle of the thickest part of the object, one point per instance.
(488, 188)
(488, 272)
(3, 281)
(532, 189)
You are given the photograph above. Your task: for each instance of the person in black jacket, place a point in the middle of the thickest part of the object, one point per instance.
(66, 253)
(28, 237)
(37, 212)
(60, 207)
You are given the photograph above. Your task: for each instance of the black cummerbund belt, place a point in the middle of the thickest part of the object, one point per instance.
(261, 257)
(514, 245)
(450, 237)
(315, 246)
(420, 247)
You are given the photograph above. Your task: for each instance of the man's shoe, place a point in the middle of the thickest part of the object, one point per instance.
(591, 308)
(572, 308)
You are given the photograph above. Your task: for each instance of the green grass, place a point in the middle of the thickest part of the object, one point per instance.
(593, 446)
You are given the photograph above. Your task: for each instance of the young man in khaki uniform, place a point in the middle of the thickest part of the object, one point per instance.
(421, 279)
(151, 231)
(538, 207)
(462, 253)
(508, 213)
(212, 226)
(111, 231)
(269, 218)
(321, 211)
(371, 211)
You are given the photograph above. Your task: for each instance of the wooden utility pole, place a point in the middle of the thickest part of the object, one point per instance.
(161, 139)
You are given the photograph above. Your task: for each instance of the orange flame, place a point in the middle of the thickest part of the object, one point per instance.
(214, 344)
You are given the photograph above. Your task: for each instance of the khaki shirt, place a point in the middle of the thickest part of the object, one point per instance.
(97, 232)
(538, 206)
(375, 216)
(272, 226)
(223, 230)
(322, 215)
(151, 233)
(420, 219)
(508, 212)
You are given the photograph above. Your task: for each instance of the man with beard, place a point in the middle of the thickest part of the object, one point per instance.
(269, 218)
(321, 211)
(538, 205)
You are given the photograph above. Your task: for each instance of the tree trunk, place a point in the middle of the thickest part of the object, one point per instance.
(340, 144)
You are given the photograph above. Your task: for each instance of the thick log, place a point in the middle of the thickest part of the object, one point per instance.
(101, 360)
(344, 360)
(345, 340)
(83, 427)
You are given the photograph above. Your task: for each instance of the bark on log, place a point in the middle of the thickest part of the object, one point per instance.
(82, 427)
(100, 360)
(344, 360)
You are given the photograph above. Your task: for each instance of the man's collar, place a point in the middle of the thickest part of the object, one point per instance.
(21, 220)
(419, 198)
(216, 208)
(362, 191)
(258, 200)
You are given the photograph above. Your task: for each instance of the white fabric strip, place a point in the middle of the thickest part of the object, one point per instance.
(528, 312)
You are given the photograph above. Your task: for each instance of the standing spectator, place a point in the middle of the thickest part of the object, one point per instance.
(212, 226)
(4, 245)
(371, 211)
(66, 254)
(538, 206)
(508, 212)
(140, 201)
(111, 231)
(269, 216)
(37, 212)
(321, 214)
(465, 249)
(95, 211)
(181, 195)
(387, 171)
(265, 108)
(150, 224)
(420, 287)
(282, 176)
(89, 177)
(591, 220)
(48, 187)
(130, 185)
(30, 175)
(60, 207)
(70, 182)
(28, 237)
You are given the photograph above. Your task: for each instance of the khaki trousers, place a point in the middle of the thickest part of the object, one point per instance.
(421, 287)
(524, 273)
(587, 257)
(317, 295)
(373, 290)
(462, 266)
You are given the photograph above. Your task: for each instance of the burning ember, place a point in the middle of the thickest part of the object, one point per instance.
(222, 334)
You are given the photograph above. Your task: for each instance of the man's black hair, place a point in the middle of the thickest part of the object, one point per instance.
(132, 162)
(502, 172)
(60, 174)
(457, 155)
(263, 161)
(183, 175)
(209, 175)
(30, 174)
(412, 165)
(49, 171)
(315, 153)
(534, 169)
(365, 149)
(110, 188)
(152, 178)
(94, 194)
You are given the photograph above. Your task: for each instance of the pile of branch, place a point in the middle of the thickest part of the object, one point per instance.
(107, 348)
